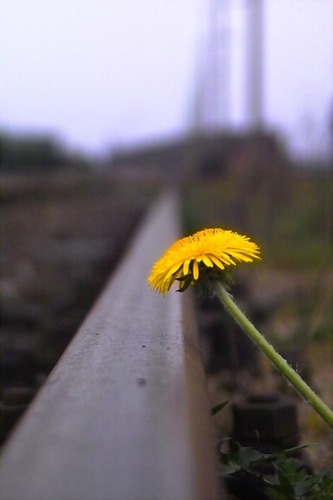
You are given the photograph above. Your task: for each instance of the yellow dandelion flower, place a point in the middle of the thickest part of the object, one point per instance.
(214, 249)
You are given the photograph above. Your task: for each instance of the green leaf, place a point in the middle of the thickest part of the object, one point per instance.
(292, 480)
(323, 489)
(218, 408)
(305, 485)
(228, 465)
(241, 458)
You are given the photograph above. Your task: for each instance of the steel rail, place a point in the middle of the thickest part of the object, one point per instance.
(124, 414)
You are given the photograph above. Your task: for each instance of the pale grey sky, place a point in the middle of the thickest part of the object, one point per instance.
(98, 73)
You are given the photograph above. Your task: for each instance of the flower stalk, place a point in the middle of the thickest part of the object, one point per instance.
(280, 364)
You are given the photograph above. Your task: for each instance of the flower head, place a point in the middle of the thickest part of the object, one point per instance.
(207, 251)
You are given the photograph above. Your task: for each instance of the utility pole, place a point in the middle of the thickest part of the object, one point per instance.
(211, 107)
(218, 64)
(212, 100)
(254, 79)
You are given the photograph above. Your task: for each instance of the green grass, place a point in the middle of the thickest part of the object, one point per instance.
(291, 221)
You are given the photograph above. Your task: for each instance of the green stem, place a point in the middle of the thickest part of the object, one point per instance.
(282, 366)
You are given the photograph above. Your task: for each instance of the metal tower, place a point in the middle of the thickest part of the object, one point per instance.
(211, 110)
(254, 59)
(212, 100)
(218, 65)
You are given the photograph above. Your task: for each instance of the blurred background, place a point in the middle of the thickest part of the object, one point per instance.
(97, 75)
(105, 102)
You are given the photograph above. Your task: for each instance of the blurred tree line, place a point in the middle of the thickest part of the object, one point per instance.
(42, 154)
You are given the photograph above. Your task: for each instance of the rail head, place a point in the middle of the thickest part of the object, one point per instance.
(124, 414)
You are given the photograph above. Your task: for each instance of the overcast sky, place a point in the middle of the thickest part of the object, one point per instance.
(99, 73)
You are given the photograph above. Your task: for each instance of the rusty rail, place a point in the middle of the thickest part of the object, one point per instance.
(124, 413)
